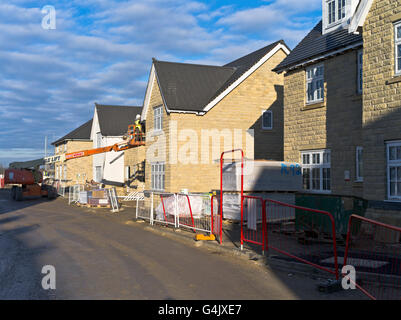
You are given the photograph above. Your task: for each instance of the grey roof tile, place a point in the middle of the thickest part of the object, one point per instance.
(316, 44)
(83, 132)
(114, 120)
(190, 87)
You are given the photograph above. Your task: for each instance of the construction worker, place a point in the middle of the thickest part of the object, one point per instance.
(138, 128)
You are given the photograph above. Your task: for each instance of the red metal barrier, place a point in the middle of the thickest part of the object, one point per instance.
(221, 187)
(302, 234)
(168, 215)
(183, 218)
(253, 226)
(215, 218)
(374, 250)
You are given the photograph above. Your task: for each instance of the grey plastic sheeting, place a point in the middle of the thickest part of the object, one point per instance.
(232, 205)
(262, 176)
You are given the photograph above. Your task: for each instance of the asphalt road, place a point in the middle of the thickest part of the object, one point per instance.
(98, 256)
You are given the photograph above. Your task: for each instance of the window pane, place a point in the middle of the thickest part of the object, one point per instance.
(399, 173)
(326, 178)
(360, 163)
(399, 57)
(316, 178)
(392, 188)
(305, 159)
(392, 153)
(393, 174)
(306, 177)
(398, 32)
(310, 91)
(316, 158)
(398, 189)
(267, 119)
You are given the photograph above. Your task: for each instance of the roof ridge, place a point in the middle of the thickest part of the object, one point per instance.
(115, 105)
(194, 64)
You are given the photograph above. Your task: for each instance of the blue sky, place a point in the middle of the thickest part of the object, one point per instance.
(101, 51)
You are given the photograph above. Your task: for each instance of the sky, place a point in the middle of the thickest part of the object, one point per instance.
(101, 51)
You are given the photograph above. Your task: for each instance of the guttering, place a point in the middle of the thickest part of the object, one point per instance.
(321, 57)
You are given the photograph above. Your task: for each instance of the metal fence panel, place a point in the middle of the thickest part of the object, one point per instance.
(374, 250)
(303, 237)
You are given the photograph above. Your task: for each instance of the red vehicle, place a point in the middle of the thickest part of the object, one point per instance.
(26, 180)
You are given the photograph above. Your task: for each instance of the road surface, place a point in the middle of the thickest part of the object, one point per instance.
(97, 255)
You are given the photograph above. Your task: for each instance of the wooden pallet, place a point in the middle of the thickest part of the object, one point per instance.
(85, 205)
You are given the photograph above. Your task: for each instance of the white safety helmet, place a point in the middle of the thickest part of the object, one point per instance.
(138, 117)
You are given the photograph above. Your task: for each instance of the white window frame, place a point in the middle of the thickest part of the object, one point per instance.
(315, 74)
(331, 4)
(358, 175)
(392, 164)
(360, 71)
(324, 154)
(397, 42)
(65, 172)
(339, 7)
(271, 116)
(98, 139)
(158, 176)
(158, 119)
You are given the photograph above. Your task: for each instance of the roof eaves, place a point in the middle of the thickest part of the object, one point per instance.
(318, 58)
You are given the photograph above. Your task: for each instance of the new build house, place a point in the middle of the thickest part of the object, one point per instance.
(194, 112)
(76, 170)
(342, 109)
(110, 124)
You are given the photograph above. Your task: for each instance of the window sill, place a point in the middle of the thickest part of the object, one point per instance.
(155, 133)
(395, 79)
(393, 200)
(314, 105)
(267, 129)
(316, 191)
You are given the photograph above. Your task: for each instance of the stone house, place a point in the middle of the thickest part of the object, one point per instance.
(194, 112)
(76, 170)
(342, 115)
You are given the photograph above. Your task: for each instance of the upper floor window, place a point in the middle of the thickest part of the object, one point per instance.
(335, 10)
(315, 84)
(98, 140)
(316, 167)
(267, 119)
(394, 170)
(359, 164)
(158, 118)
(360, 70)
(397, 41)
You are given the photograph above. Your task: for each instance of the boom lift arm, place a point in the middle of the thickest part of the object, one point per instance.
(132, 140)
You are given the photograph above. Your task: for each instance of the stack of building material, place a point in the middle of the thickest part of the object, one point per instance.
(94, 198)
(98, 198)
